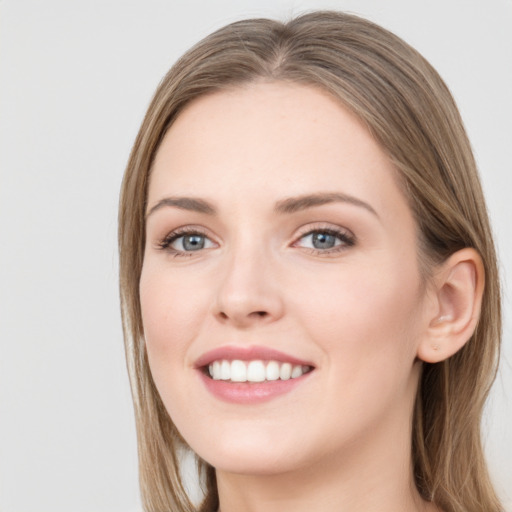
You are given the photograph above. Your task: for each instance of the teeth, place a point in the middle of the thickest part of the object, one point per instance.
(225, 370)
(238, 371)
(296, 372)
(216, 370)
(272, 370)
(285, 371)
(255, 371)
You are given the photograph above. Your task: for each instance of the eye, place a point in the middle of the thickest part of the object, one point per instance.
(184, 241)
(191, 243)
(326, 240)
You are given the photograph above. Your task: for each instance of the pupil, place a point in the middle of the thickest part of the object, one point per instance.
(193, 242)
(323, 241)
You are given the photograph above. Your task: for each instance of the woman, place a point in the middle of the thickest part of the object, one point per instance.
(309, 288)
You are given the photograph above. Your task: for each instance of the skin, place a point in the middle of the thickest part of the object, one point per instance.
(341, 439)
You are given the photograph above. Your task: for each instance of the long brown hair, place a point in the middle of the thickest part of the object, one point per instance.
(412, 115)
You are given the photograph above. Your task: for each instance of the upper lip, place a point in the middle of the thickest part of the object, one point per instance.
(250, 353)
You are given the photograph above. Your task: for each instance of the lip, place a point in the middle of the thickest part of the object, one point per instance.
(231, 352)
(249, 392)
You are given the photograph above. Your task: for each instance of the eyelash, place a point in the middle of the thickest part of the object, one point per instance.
(346, 238)
(166, 243)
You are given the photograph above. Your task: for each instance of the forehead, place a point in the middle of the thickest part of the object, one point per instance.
(272, 138)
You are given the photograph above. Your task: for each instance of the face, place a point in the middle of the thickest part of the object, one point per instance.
(281, 296)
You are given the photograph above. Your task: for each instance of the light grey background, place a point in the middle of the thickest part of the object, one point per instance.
(75, 79)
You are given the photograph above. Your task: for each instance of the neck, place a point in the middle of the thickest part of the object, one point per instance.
(330, 487)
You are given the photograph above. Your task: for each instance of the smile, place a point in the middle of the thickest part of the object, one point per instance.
(255, 371)
(251, 374)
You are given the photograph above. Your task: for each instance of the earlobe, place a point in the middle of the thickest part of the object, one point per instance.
(459, 285)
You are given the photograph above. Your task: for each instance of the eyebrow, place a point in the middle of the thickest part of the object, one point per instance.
(192, 204)
(295, 204)
(284, 206)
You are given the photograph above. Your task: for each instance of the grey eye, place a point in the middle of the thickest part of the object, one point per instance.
(192, 242)
(323, 240)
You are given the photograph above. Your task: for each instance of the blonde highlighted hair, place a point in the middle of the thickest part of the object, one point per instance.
(411, 113)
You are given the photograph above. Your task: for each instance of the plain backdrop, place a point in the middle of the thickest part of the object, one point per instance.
(75, 80)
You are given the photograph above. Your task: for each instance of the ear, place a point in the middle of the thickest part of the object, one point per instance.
(458, 289)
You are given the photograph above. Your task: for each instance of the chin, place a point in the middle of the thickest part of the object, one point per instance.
(251, 455)
(254, 464)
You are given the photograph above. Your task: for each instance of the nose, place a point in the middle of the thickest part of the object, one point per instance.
(248, 294)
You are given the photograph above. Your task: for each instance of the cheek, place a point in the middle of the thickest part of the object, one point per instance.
(368, 315)
(367, 326)
(171, 308)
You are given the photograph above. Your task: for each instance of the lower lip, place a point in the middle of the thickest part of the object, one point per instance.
(250, 392)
